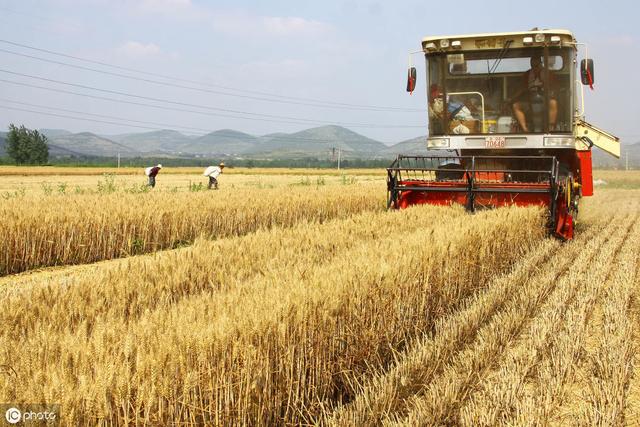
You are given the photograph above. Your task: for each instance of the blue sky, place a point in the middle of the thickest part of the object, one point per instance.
(346, 52)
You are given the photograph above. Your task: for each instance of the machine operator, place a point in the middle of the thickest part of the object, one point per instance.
(530, 98)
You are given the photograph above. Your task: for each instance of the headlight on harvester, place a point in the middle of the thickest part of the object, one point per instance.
(438, 143)
(558, 141)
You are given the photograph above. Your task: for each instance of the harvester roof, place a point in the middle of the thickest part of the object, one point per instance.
(488, 41)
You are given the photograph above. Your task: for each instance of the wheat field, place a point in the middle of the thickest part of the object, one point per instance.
(302, 301)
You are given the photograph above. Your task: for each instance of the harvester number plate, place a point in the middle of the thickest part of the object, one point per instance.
(495, 142)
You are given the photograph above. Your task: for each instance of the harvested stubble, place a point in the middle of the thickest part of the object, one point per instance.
(609, 179)
(273, 346)
(528, 386)
(432, 379)
(508, 395)
(609, 362)
(540, 370)
(76, 229)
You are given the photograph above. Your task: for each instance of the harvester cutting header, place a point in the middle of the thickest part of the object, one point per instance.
(511, 108)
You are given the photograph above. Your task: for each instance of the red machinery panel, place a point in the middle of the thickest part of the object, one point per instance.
(586, 177)
(478, 182)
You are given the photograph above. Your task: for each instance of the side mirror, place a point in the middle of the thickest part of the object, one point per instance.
(411, 79)
(586, 72)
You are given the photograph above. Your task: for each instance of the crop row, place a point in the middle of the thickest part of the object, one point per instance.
(272, 327)
(47, 231)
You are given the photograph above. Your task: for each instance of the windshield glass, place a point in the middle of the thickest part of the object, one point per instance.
(501, 91)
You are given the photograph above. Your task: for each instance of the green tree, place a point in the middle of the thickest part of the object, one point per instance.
(26, 146)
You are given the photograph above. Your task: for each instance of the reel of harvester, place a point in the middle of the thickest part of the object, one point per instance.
(478, 182)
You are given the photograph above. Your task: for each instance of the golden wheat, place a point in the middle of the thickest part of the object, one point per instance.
(388, 391)
(301, 301)
(70, 171)
(38, 231)
(269, 347)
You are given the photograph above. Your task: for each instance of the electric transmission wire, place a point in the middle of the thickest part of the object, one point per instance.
(141, 104)
(160, 107)
(166, 125)
(204, 107)
(215, 92)
(292, 99)
(163, 126)
(76, 118)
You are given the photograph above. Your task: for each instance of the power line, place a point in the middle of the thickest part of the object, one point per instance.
(160, 107)
(215, 92)
(30, 15)
(105, 116)
(133, 70)
(76, 118)
(204, 107)
(164, 126)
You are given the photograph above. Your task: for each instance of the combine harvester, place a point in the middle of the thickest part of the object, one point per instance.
(511, 107)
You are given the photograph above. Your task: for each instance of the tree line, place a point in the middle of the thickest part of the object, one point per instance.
(26, 147)
(29, 147)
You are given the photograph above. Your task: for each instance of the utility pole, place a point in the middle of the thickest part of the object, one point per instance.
(626, 157)
(118, 160)
(339, 153)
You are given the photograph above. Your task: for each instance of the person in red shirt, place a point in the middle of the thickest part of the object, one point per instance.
(151, 172)
(532, 91)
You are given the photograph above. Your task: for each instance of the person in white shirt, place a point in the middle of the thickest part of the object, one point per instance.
(213, 172)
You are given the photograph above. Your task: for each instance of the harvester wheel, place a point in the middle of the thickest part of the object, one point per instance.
(564, 210)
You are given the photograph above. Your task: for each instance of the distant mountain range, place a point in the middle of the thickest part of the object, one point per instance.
(628, 151)
(321, 142)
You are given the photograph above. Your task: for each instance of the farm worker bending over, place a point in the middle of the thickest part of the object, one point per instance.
(151, 172)
(213, 172)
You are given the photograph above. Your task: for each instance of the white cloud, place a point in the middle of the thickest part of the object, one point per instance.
(621, 40)
(134, 49)
(262, 26)
(162, 6)
(287, 26)
(285, 67)
(135, 6)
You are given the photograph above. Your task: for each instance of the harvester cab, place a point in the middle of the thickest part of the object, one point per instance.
(506, 126)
